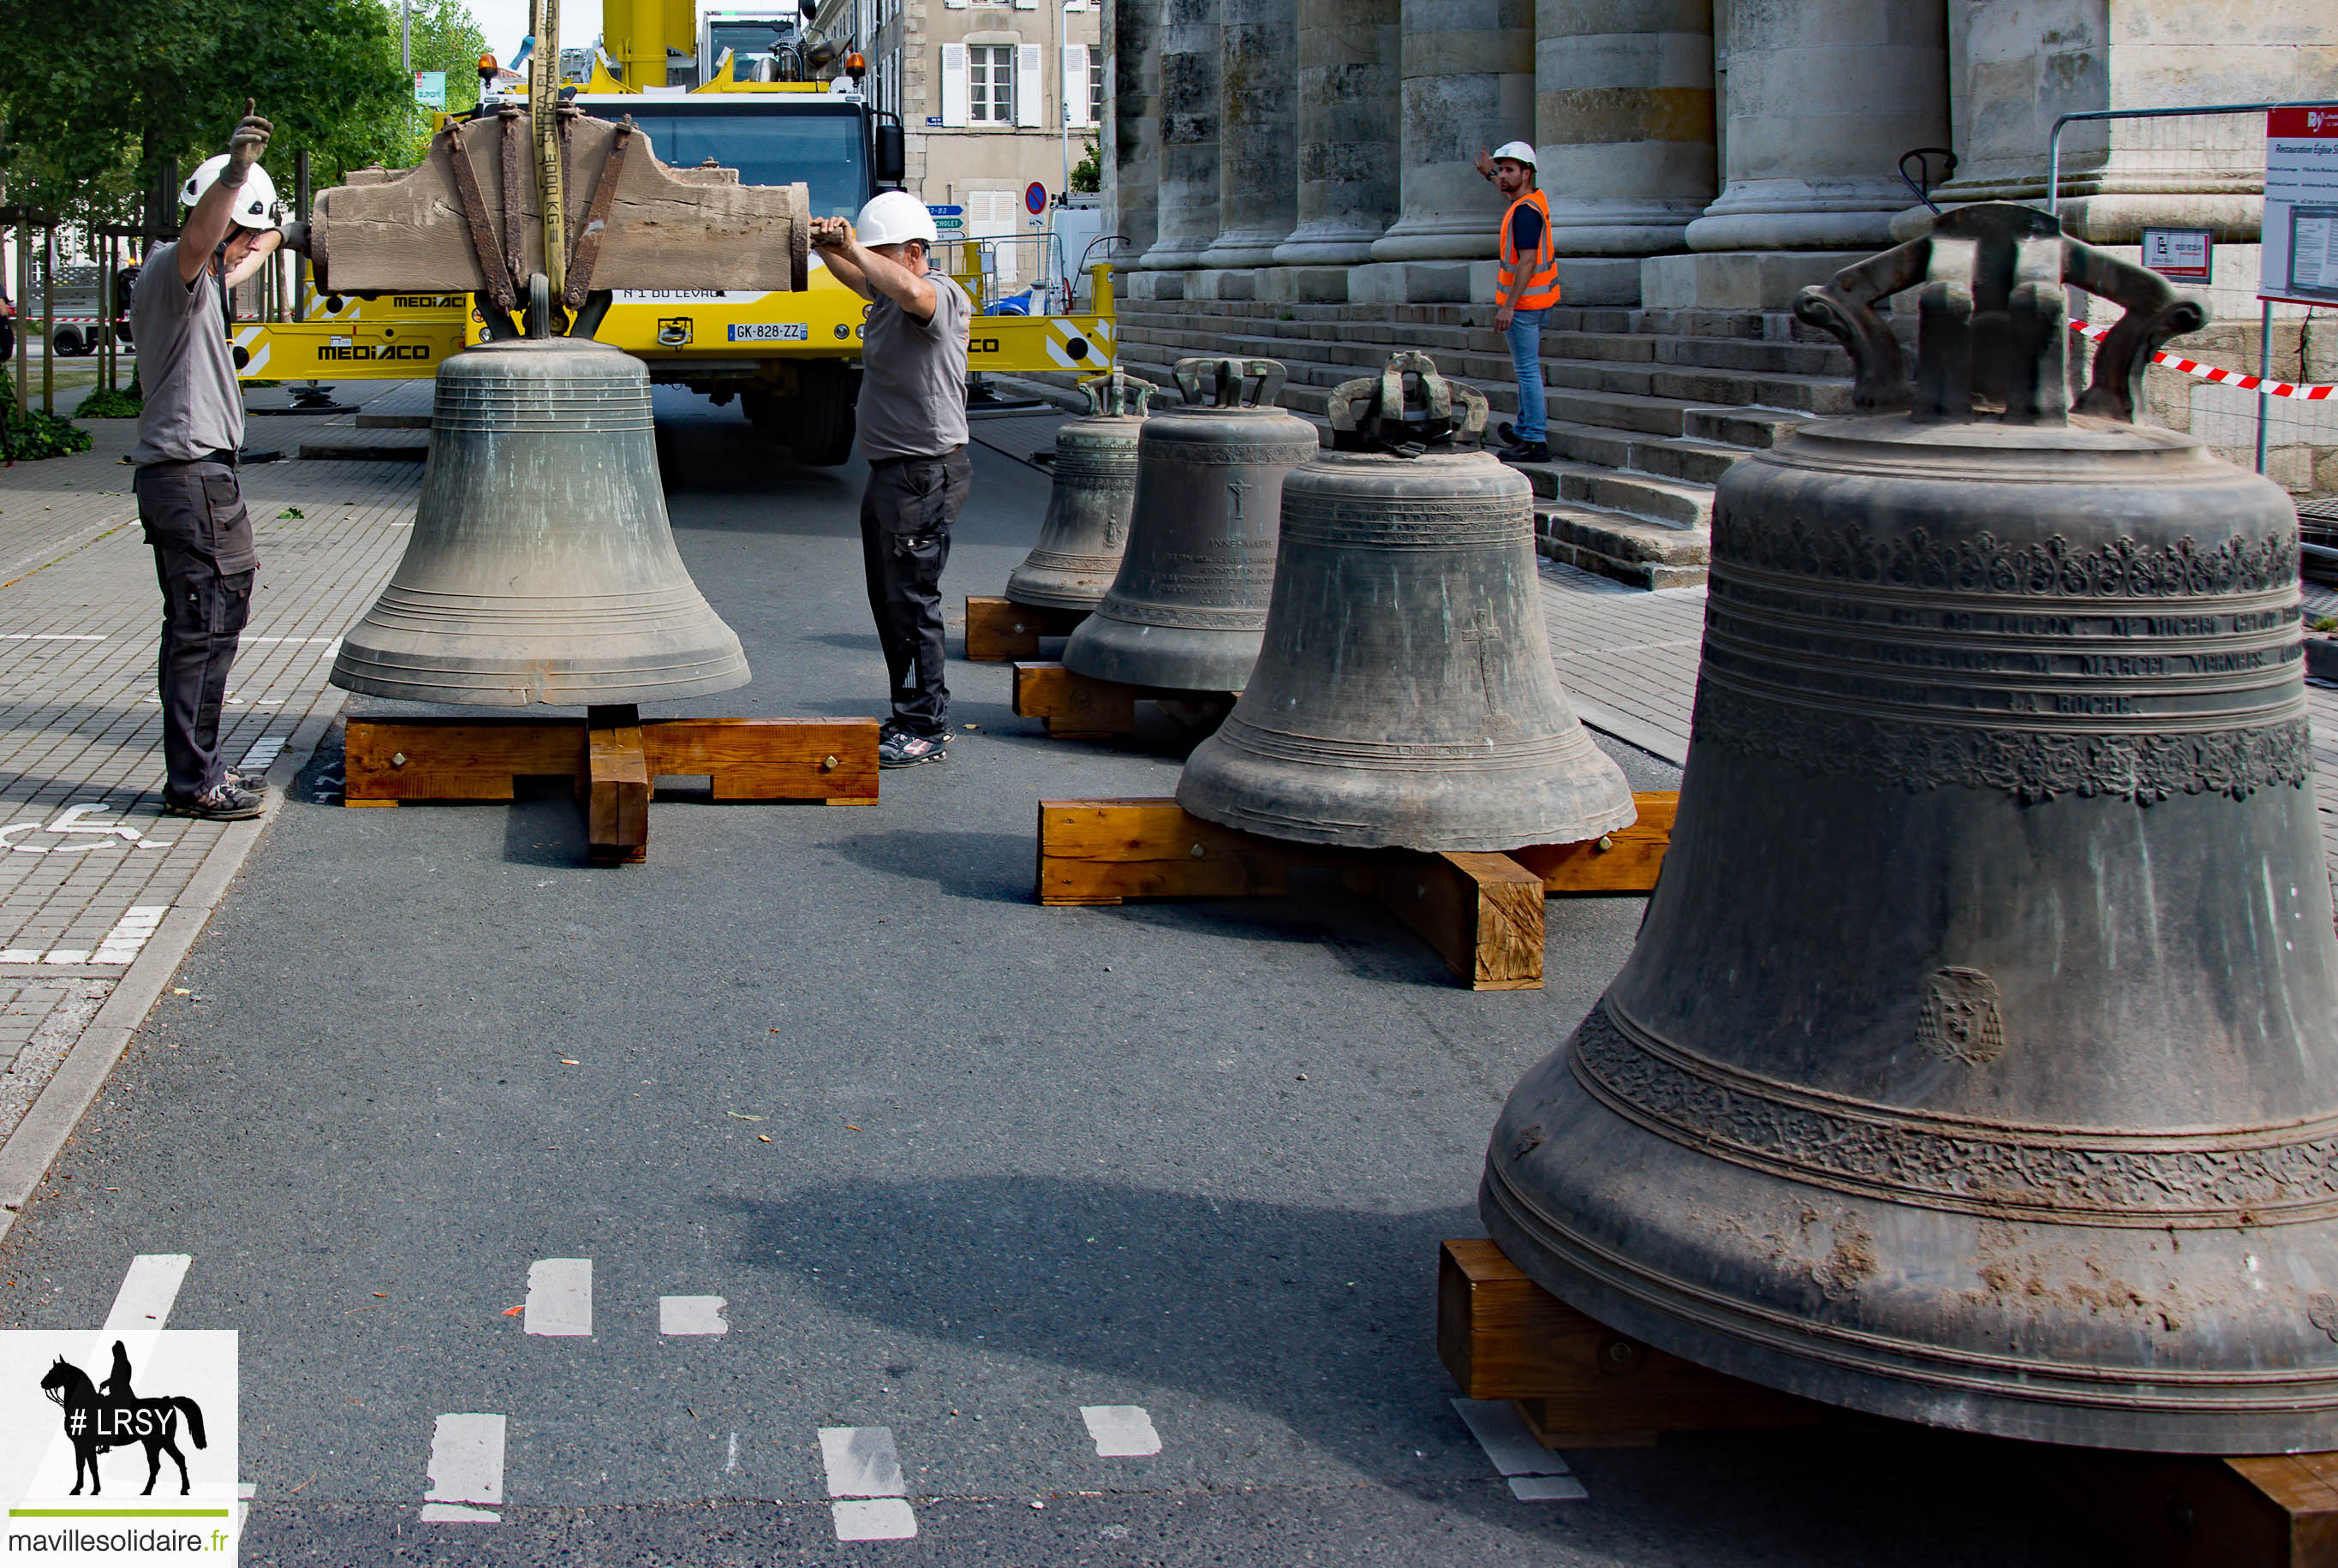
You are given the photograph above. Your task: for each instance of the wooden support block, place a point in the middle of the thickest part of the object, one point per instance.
(455, 759)
(998, 631)
(1482, 913)
(1103, 852)
(1628, 864)
(2182, 1511)
(833, 759)
(1074, 705)
(617, 804)
(1578, 1383)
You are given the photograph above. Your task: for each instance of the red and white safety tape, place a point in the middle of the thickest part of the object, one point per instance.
(2247, 383)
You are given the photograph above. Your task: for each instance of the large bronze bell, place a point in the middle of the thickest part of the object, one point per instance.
(1086, 525)
(1406, 696)
(1978, 1060)
(542, 567)
(1188, 608)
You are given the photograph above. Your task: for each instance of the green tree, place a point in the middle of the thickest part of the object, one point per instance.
(1087, 174)
(102, 93)
(445, 37)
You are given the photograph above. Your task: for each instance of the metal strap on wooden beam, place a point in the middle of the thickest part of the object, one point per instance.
(484, 243)
(585, 249)
(514, 166)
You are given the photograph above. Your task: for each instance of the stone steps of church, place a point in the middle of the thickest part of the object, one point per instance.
(1672, 343)
(1324, 363)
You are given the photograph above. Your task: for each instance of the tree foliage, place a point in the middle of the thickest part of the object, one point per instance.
(102, 93)
(445, 37)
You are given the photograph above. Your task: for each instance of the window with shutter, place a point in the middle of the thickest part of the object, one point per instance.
(1030, 92)
(954, 84)
(1095, 86)
(991, 85)
(1076, 82)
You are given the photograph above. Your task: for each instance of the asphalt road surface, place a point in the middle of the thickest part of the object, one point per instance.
(997, 1197)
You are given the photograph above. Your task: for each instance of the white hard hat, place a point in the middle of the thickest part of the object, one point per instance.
(894, 218)
(1517, 151)
(255, 201)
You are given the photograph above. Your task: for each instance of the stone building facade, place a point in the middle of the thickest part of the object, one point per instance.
(1698, 155)
(993, 94)
(1323, 148)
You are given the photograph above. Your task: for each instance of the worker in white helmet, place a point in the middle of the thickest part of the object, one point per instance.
(912, 424)
(1525, 286)
(188, 430)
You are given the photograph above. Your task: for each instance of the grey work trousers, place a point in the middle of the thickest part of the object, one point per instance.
(195, 519)
(906, 516)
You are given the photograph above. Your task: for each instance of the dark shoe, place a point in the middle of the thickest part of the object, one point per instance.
(228, 803)
(900, 749)
(1506, 433)
(1526, 452)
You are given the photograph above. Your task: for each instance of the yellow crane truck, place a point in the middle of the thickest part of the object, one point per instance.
(792, 360)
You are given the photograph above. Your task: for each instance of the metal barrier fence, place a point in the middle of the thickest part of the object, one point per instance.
(2211, 147)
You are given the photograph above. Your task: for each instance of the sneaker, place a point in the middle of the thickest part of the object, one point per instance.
(900, 749)
(227, 803)
(1526, 452)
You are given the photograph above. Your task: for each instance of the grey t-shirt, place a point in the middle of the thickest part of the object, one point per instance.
(193, 404)
(913, 375)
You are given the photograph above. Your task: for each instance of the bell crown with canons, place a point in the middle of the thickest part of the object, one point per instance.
(1992, 330)
(1407, 409)
(1118, 395)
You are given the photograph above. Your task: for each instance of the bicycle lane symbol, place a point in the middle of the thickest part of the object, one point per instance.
(75, 820)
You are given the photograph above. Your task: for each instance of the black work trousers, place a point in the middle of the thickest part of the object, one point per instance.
(906, 516)
(194, 518)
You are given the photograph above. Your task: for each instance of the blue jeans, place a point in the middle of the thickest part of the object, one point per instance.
(1525, 339)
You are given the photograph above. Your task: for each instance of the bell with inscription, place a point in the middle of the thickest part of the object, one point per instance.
(1188, 610)
(1406, 697)
(1976, 1062)
(1086, 525)
(542, 567)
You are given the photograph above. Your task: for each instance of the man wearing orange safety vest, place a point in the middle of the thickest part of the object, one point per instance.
(1527, 286)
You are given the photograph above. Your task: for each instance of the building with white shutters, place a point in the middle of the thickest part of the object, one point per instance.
(995, 95)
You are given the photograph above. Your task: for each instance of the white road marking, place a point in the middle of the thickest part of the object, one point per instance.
(148, 1291)
(52, 637)
(1547, 1489)
(130, 934)
(560, 1296)
(861, 1461)
(730, 1460)
(467, 1470)
(1514, 1453)
(691, 1315)
(65, 956)
(263, 752)
(1121, 1431)
(878, 1519)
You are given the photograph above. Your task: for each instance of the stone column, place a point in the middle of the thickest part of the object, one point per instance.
(1258, 131)
(1131, 128)
(1187, 194)
(1348, 145)
(1624, 122)
(1469, 85)
(2016, 66)
(1823, 97)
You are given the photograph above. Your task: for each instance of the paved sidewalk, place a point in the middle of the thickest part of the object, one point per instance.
(90, 869)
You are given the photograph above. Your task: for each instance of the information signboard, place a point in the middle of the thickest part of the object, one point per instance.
(2301, 206)
(430, 90)
(2184, 255)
